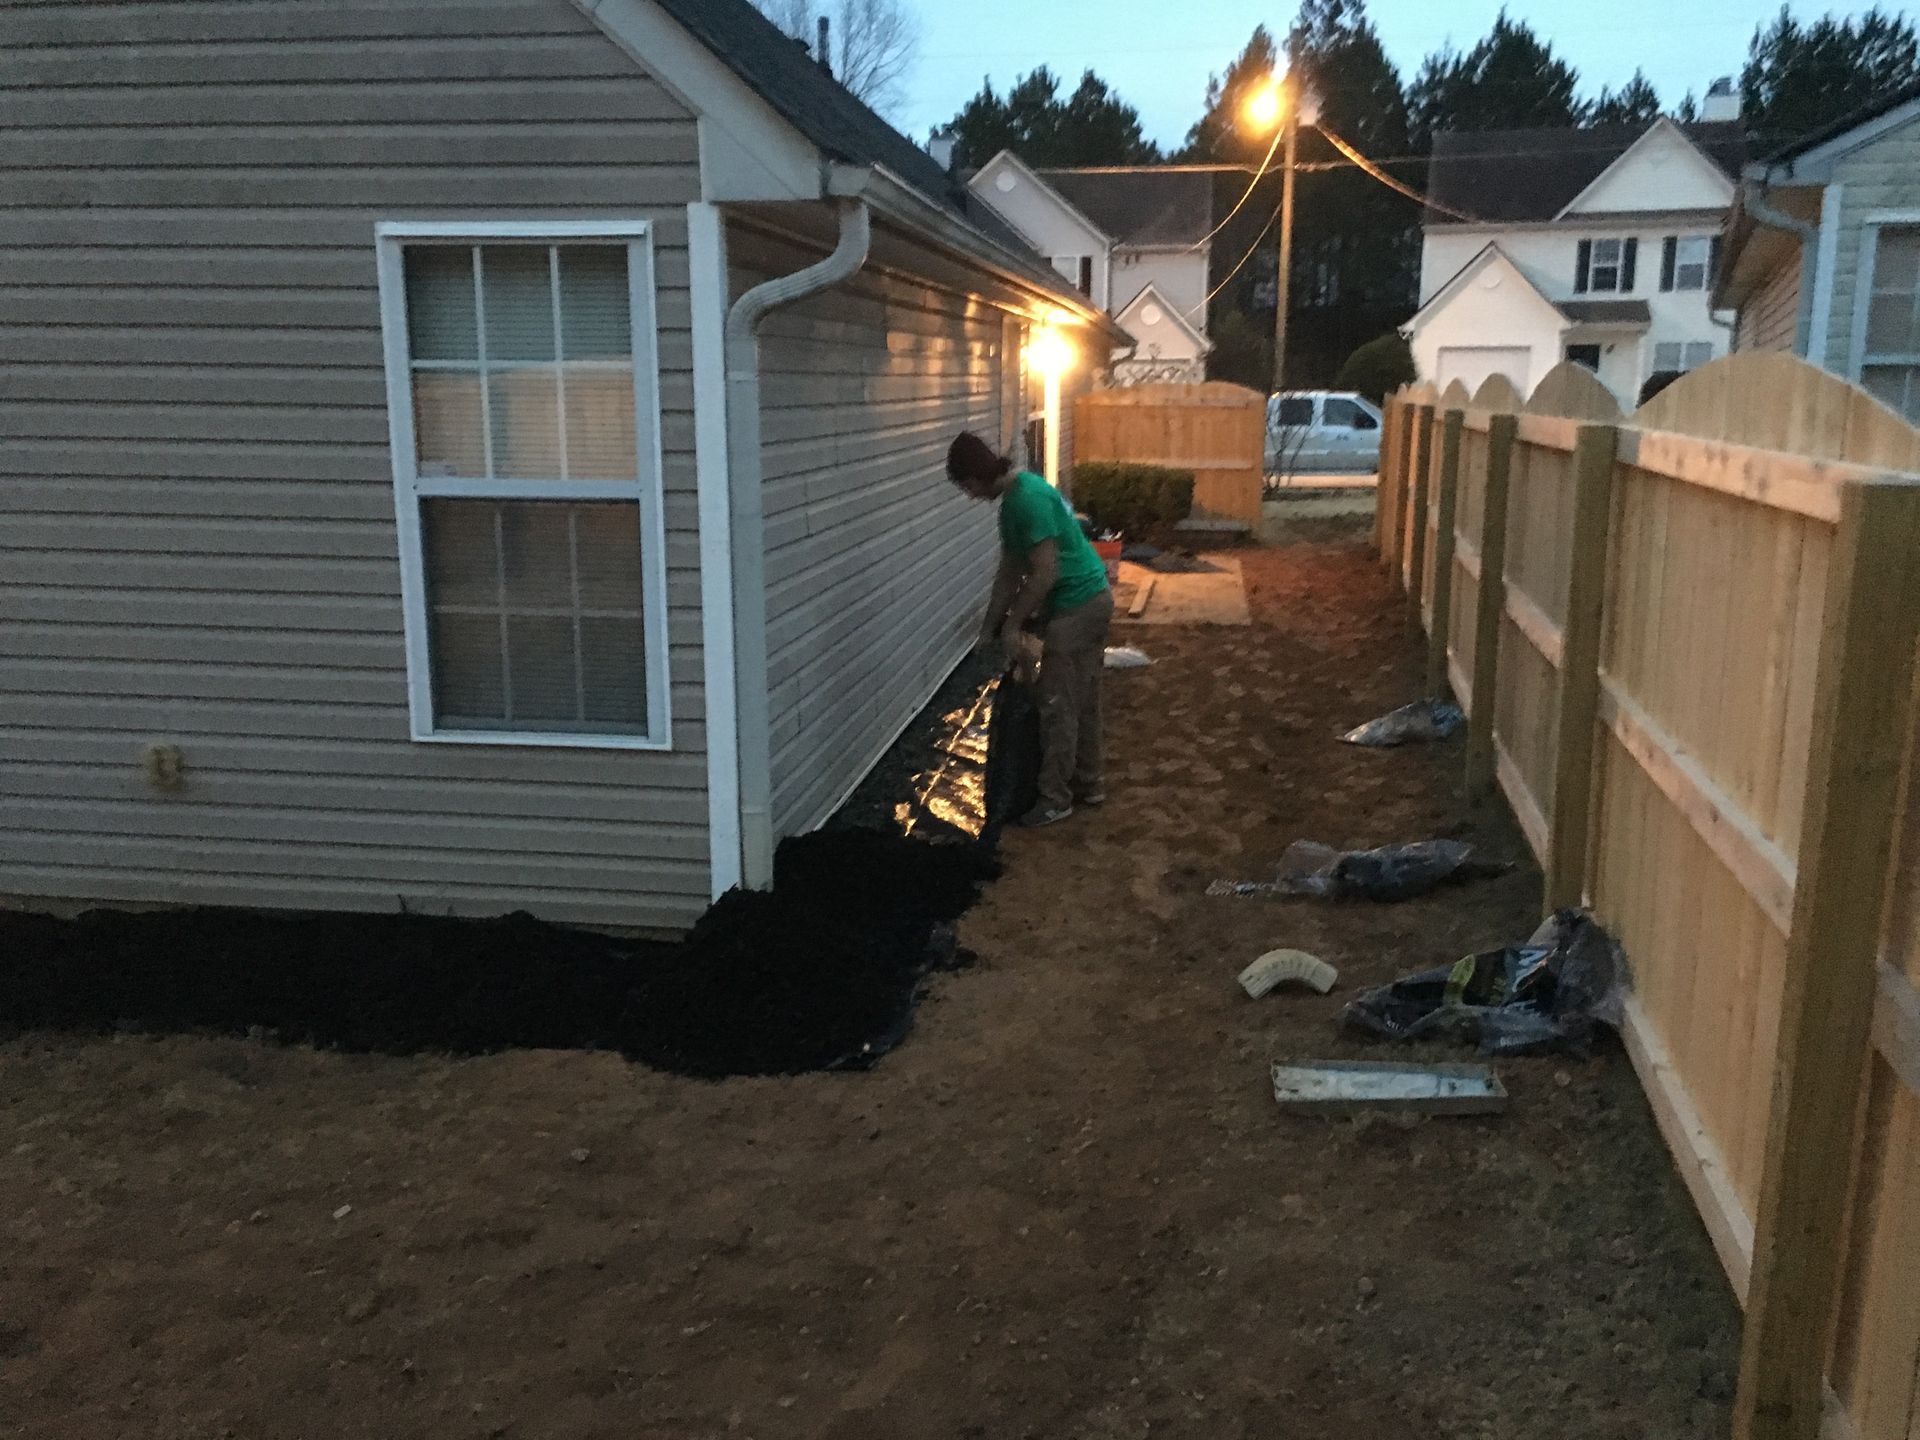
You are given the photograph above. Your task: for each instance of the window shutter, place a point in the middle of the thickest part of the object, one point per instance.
(1628, 253)
(1669, 253)
(1581, 266)
(1713, 263)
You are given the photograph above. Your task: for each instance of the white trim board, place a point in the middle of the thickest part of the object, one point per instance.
(1662, 126)
(707, 283)
(1871, 225)
(1820, 321)
(410, 488)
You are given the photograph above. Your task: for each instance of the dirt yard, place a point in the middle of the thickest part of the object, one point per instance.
(1066, 1208)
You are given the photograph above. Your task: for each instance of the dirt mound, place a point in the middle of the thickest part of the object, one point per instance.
(820, 973)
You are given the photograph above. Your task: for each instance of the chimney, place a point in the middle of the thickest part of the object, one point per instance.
(823, 51)
(940, 145)
(1722, 102)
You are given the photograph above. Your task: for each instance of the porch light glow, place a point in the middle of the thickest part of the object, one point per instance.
(1049, 352)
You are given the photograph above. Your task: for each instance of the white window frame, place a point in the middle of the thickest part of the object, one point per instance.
(391, 238)
(1680, 262)
(1618, 265)
(1871, 225)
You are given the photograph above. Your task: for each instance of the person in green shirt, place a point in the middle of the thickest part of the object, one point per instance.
(1052, 580)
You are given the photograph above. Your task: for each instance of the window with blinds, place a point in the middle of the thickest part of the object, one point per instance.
(530, 489)
(1890, 361)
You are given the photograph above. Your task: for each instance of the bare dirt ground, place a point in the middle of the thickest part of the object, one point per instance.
(1065, 1208)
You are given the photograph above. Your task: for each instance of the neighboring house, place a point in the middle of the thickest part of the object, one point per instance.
(1594, 245)
(398, 509)
(1134, 239)
(1823, 251)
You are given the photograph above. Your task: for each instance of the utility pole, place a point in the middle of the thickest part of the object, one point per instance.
(1283, 274)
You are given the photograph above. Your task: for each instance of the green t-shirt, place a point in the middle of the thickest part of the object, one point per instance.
(1031, 510)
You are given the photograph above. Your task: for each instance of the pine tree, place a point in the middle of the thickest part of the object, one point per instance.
(1510, 80)
(1635, 103)
(1801, 77)
(1092, 126)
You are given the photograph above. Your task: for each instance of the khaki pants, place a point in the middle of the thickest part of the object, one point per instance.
(1075, 651)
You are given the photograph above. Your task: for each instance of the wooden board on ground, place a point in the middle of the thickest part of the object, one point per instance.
(1213, 597)
(1348, 1087)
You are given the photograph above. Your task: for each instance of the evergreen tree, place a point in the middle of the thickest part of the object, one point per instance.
(1092, 126)
(1510, 80)
(1635, 103)
(1801, 77)
(1220, 134)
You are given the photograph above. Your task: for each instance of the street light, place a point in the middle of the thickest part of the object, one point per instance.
(1278, 102)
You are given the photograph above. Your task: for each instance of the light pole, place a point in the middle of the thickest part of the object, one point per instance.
(1279, 100)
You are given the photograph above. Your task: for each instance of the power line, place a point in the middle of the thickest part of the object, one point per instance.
(1252, 185)
(1387, 180)
(1226, 279)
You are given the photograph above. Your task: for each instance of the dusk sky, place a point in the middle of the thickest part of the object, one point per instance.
(1158, 55)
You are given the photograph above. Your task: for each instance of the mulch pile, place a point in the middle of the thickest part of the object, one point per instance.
(820, 973)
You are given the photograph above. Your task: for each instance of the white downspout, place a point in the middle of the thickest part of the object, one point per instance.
(1809, 237)
(745, 480)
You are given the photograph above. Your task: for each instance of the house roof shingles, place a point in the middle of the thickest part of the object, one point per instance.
(1141, 205)
(1531, 175)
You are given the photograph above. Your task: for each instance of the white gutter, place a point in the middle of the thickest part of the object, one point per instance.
(1754, 203)
(748, 527)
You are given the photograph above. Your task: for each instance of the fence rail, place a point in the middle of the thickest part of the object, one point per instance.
(1216, 430)
(1685, 641)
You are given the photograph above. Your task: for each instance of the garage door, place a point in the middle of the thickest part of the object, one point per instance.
(1472, 364)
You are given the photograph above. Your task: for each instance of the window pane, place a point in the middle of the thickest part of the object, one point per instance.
(601, 442)
(1897, 385)
(526, 422)
(1296, 410)
(594, 319)
(533, 659)
(1606, 252)
(542, 684)
(440, 318)
(469, 691)
(607, 543)
(1892, 326)
(537, 556)
(516, 286)
(1363, 421)
(1699, 353)
(448, 437)
(1340, 413)
(462, 554)
(1896, 260)
(1666, 355)
(613, 666)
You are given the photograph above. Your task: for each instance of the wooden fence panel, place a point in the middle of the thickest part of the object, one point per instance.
(1469, 519)
(1216, 430)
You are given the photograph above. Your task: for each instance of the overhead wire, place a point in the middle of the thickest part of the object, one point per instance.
(1252, 185)
(1368, 167)
(1226, 279)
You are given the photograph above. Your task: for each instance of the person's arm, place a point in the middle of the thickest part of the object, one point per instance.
(1006, 584)
(1043, 568)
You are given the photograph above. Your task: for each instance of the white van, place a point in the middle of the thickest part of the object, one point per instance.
(1312, 432)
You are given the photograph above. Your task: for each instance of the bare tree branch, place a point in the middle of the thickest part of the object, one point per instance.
(874, 41)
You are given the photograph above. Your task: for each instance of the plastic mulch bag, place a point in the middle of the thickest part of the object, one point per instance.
(1392, 872)
(1546, 994)
(1125, 657)
(1013, 756)
(1422, 720)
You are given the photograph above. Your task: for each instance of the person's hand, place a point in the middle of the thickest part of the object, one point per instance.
(1024, 658)
(989, 648)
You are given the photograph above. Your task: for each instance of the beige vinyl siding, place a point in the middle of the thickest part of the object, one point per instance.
(197, 537)
(876, 567)
(1772, 315)
(1883, 175)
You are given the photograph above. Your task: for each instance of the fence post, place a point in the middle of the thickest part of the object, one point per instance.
(1419, 442)
(1490, 606)
(1380, 488)
(1862, 695)
(1593, 455)
(1445, 504)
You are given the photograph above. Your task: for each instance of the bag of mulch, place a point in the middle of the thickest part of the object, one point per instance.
(1422, 720)
(1013, 756)
(1391, 872)
(1546, 994)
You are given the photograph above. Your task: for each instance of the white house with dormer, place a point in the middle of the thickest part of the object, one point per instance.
(1596, 245)
(1133, 238)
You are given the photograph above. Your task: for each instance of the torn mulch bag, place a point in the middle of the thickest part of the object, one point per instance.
(1013, 756)
(1391, 872)
(1544, 995)
(1422, 720)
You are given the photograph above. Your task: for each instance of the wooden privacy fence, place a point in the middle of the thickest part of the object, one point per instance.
(1686, 644)
(1216, 430)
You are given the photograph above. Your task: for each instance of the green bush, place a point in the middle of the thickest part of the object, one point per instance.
(1133, 499)
(1378, 368)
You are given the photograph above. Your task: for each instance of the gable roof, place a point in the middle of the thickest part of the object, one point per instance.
(1533, 175)
(1168, 309)
(1842, 127)
(977, 183)
(823, 110)
(1140, 204)
(1486, 255)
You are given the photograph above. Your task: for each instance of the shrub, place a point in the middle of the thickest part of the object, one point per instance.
(1378, 368)
(1132, 499)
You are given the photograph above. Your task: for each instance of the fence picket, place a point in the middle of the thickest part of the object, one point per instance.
(1490, 605)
